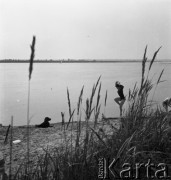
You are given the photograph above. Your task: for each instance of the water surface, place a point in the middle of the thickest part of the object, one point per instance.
(48, 92)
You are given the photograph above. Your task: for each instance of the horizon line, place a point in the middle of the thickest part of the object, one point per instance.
(83, 59)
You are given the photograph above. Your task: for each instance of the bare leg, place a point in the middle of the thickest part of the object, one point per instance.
(117, 100)
(121, 105)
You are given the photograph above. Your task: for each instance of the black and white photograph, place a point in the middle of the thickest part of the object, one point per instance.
(85, 89)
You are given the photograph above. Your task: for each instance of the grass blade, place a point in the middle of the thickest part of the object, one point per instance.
(80, 100)
(70, 118)
(106, 98)
(69, 102)
(160, 76)
(154, 56)
(98, 97)
(98, 136)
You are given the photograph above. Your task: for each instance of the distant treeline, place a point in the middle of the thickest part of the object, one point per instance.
(73, 61)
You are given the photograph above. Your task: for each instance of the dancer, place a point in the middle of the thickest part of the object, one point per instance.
(121, 99)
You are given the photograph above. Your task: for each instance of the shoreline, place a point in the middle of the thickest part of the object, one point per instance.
(42, 139)
(83, 61)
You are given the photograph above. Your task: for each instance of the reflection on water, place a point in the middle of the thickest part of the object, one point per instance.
(49, 87)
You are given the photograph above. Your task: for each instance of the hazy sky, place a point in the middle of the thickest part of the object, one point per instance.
(93, 29)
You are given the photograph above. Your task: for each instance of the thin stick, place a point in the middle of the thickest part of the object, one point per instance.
(6, 137)
(28, 133)
(11, 139)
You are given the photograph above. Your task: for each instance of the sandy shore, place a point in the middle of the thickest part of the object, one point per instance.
(41, 138)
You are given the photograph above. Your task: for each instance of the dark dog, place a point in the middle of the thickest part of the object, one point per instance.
(45, 124)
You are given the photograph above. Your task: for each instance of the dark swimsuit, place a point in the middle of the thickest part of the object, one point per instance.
(120, 92)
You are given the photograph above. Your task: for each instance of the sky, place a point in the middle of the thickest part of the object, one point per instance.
(85, 29)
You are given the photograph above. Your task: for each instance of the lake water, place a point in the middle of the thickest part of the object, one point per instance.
(48, 88)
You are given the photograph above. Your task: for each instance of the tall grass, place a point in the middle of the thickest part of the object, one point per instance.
(28, 105)
(142, 135)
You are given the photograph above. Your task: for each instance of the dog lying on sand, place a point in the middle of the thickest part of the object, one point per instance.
(45, 124)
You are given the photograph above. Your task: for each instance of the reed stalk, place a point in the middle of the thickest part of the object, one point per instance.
(28, 105)
(70, 118)
(80, 100)
(69, 102)
(11, 146)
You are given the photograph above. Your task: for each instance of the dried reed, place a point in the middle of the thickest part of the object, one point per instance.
(28, 105)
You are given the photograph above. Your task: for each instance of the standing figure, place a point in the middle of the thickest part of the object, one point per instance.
(121, 99)
(167, 103)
